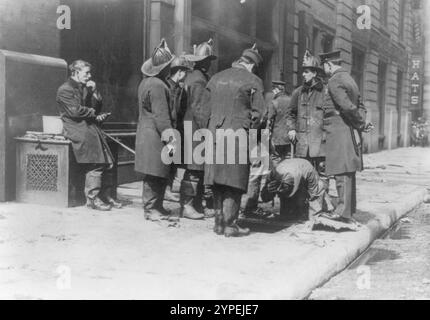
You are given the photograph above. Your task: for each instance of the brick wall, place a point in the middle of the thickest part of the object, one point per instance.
(29, 26)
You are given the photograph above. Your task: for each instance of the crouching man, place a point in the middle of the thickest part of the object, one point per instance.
(292, 175)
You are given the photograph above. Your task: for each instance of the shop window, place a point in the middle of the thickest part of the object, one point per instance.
(110, 37)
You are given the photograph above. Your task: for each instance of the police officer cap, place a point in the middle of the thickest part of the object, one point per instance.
(278, 83)
(333, 56)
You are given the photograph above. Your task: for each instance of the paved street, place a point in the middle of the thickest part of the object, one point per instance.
(48, 252)
(396, 267)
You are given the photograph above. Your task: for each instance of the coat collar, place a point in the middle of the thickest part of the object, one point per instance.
(318, 85)
(202, 74)
(238, 66)
(341, 69)
(75, 84)
(172, 83)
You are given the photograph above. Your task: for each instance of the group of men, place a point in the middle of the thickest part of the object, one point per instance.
(315, 134)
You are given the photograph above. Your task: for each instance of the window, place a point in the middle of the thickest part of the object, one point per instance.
(383, 10)
(234, 26)
(322, 41)
(358, 67)
(110, 37)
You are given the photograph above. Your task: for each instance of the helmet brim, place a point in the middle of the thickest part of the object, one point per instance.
(148, 68)
(194, 58)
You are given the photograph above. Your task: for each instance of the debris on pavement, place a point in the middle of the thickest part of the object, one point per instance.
(336, 225)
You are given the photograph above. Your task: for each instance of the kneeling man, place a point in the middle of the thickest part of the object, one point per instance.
(292, 175)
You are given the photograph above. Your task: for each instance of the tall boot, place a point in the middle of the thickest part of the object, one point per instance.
(93, 185)
(208, 207)
(107, 191)
(188, 196)
(230, 210)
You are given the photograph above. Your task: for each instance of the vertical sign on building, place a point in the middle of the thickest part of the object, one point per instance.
(416, 82)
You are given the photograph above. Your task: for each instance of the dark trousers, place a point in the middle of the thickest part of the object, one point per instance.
(227, 203)
(153, 192)
(192, 189)
(347, 193)
(99, 181)
(279, 153)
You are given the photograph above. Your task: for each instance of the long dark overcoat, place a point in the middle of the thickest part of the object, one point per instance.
(156, 114)
(305, 115)
(344, 119)
(78, 109)
(277, 114)
(198, 111)
(236, 102)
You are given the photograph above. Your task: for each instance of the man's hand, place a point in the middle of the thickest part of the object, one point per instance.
(171, 148)
(292, 135)
(368, 127)
(92, 85)
(102, 117)
(273, 186)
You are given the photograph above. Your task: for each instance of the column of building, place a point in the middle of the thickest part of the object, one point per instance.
(344, 25)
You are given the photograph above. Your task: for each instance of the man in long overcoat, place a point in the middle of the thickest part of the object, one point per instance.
(237, 105)
(156, 114)
(80, 104)
(344, 121)
(278, 110)
(305, 118)
(197, 115)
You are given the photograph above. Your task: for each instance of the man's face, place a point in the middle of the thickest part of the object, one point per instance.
(327, 68)
(181, 75)
(83, 75)
(309, 75)
(276, 90)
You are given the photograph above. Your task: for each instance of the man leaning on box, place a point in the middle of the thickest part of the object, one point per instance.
(80, 106)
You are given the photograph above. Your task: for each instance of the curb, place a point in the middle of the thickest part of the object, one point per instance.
(329, 265)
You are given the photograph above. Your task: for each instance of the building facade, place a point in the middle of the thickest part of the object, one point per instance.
(117, 36)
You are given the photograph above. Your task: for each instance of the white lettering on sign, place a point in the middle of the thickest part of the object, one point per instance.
(415, 100)
(364, 21)
(415, 77)
(416, 64)
(64, 21)
(415, 87)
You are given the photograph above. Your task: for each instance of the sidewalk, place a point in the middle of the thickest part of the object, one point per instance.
(119, 255)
